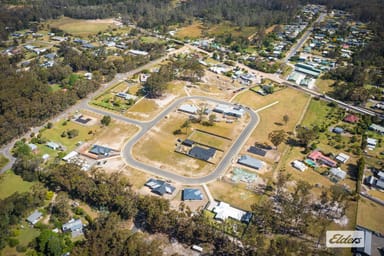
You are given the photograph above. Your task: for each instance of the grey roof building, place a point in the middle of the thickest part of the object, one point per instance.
(100, 150)
(202, 153)
(192, 194)
(34, 217)
(250, 162)
(73, 226)
(160, 187)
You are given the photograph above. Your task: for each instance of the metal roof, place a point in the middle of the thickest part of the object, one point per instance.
(192, 194)
(202, 153)
(250, 162)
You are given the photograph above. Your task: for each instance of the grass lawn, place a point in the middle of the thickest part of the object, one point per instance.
(192, 31)
(54, 134)
(11, 183)
(55, 87)
(370, 215)
(3, 161)
(291, 103)
(316, 113)
(136, 178)
(324, 85)
(376, 193)
(210, 140)
(226, 28)
(235, 194)
(81, 28)
(26, 235)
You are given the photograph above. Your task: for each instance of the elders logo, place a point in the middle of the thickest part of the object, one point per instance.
(344, 239)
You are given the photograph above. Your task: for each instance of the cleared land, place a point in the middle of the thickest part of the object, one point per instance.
(370, 215)
(209, 140)
(191, 32)
(235, 194)
(11, 183)
(324, 85)
(291, 103)
(82, 28)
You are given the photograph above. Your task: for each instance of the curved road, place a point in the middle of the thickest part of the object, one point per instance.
(146, 126)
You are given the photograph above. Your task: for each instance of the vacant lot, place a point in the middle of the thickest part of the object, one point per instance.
(290, 102)
(82, 28)
(191, 32)
(370, 215)
(210, 140)
(11, 183)
(324, 85)
(235, 194)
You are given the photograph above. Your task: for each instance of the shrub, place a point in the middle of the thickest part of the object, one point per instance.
(21, 248)
(12, 242)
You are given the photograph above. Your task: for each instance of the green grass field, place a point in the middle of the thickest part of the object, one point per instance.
(82, 28)
(209, 140)
(11, 183)
(3, 161)
(316, 113)
(54, 134)
(235, 194)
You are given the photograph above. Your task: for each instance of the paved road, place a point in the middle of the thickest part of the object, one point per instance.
(5, 150)
(303, 38)
(146, 126)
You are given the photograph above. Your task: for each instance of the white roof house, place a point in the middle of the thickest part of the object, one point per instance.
(74, 226)
(70, 155)
(137, 52)
(371, 142)
(343, 158)
(338, 173)
(224, 211)
(299, 165)
(188, 108)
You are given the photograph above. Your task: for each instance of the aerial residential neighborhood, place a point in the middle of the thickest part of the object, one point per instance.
(191, 127)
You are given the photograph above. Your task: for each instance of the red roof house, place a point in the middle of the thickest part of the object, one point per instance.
(317, 156)
(351, 119)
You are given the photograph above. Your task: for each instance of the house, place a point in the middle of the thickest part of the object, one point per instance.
(367, 249)
(371, 143)
(144, 77)
(370, 180)
(126, 96)
(257, 151)
(73, 226)
(338, 130)
(69, 156)
(34, 217)
(317, 156)
(229, 110)
(380, 175)
(160, 187)
(100, 150)
(192, 194)
(342, 158)
(299, 165)
(202, 153)
(224, 211)
(380, 184)
(53, 145)
(188, 108)
(137, 52)
(351, 119)
(250, 162)
(338, 173)
(377, 128)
